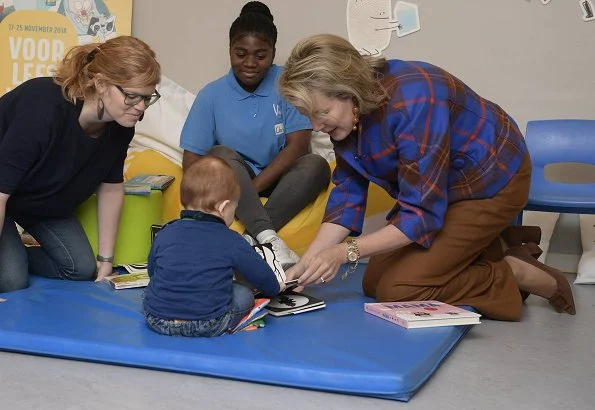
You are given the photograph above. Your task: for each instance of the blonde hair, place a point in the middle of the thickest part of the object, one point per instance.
(207, 182)
(331, 65)
(125, 61)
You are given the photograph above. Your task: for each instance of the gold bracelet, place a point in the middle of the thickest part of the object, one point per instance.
(352, 257)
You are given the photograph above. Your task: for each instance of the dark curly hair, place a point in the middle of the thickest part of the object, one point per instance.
(255, 19)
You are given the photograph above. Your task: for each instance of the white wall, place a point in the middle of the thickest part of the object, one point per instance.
(536, 61)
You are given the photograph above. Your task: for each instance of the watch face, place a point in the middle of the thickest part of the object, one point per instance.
(351, 256)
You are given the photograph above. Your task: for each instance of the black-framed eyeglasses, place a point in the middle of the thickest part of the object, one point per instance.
(133, 99)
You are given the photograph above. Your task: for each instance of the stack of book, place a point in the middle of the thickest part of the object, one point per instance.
(144, 183)
(254, 319)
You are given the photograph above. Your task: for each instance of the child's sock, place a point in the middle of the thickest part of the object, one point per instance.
(264, 235)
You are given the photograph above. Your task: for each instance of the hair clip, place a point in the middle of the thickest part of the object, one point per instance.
(92, 54)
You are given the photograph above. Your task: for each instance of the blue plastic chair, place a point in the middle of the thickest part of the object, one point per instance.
(555, 141)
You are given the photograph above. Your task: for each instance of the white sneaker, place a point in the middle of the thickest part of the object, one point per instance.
(286, 256)
(250, 239)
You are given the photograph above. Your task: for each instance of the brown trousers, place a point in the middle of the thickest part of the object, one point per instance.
(459, 267)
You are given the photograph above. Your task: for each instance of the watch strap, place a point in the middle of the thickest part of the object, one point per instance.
(101, 258)
(351, 265)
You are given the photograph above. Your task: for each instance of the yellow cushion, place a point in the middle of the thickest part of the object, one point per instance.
(298, 233)
(301, 230)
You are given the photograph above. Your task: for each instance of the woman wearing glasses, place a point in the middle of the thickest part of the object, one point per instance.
(61, 140)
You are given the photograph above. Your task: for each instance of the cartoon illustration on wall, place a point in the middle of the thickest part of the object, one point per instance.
(91, 18)
(371, 22)
(6, 7)
(36, 34)
(9, 6)
(587, 8)
(369, 25)
(407, 15)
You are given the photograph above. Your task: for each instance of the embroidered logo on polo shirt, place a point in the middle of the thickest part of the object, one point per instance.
(277, 110)
(279, 129)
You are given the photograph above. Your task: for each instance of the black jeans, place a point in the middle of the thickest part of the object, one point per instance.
(299, 186)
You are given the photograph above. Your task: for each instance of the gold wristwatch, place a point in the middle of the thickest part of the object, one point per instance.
(352, 257)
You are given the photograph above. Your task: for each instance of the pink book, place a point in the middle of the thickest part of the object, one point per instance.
(419, 314)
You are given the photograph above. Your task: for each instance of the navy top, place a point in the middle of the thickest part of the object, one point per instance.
(48, 164)
(191, 266)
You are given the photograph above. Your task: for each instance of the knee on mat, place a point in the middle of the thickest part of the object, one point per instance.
(8, 283)
(85, 268)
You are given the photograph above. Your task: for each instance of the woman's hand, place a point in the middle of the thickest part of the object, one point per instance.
(103, 269)
(319, 268)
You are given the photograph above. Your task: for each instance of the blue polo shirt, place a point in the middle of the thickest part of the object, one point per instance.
(252, 124)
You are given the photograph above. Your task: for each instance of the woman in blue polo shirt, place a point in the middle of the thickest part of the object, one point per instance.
(242, 118)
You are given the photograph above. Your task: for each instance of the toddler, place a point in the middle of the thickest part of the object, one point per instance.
(193, 259)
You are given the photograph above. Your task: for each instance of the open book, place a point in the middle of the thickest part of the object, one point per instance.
(419, 314)
(255, 315)
(293, 303)
(287, 302)
(266, 252)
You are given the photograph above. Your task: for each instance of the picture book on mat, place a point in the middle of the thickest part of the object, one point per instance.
(418, 314)
(128, 280)
(255, 315)
(287, 302)
(292, 303)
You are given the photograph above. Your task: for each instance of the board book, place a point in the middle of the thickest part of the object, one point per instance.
(128, 280)
(268, 255)
(293, 303)
(254, 315)
(143, 184)
(136, 268)
(419, 314)
(287, 302)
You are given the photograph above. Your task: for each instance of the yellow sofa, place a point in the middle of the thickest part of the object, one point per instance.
(298, 233)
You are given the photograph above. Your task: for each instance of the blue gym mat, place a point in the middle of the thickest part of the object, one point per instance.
(338, 349)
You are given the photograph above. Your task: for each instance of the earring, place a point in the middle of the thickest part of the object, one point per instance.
(100, 109)
(355, 118)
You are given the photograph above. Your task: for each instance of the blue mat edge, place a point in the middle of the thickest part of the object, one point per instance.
(87, 351)
(80, 352)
